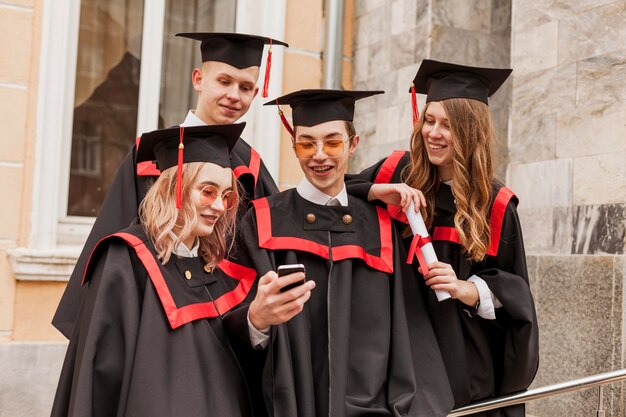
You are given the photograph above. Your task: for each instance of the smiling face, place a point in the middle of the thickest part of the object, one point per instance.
(208, 215)
(326, 173)
(438, 139)
(225, 92)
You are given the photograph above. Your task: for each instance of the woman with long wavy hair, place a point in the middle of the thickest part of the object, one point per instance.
(149, 338)
(487, 330)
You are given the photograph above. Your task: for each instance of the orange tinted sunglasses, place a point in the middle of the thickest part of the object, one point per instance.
(209, 193)
(333, 148)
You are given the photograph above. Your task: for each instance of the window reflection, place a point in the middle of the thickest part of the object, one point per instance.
(107, 85)
(105, 101)
(181, 56)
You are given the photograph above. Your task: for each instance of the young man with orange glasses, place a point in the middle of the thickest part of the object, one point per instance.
(352, 337)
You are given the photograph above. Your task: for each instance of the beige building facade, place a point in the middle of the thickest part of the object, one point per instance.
(561, 120)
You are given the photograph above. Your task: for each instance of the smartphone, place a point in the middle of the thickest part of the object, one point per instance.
(290, 269)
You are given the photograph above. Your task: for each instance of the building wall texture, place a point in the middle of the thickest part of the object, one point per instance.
(561, 126)
(567, 153)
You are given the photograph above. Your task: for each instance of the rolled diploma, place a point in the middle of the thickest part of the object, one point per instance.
(418, 227)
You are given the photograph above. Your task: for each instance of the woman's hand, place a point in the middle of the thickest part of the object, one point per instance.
(441, 276)
(397, 195)
(270, 306)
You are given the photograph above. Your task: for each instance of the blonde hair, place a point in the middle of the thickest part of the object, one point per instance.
(159, 216)
(472, 137)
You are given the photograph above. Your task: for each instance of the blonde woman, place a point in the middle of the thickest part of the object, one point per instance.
(487, 331)
(149, 339)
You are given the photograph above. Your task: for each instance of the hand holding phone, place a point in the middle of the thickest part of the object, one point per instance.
(290, 269)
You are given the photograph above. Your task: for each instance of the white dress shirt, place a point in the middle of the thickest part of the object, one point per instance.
(182, 250)
(308, 191)
(192, 120)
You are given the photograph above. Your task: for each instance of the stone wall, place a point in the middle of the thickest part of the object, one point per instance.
(568, 166)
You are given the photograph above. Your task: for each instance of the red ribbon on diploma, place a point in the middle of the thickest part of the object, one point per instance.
(415, 250)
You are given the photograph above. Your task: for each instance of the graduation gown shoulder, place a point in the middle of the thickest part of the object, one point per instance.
(127, 358)
(120, 206)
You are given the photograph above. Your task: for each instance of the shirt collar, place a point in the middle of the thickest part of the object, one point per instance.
(312, 194)
(192, 120)
(182, 250)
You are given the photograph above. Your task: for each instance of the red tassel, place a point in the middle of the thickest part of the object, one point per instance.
(284, 120)
(416, 113)
(179, 171)
(268, 68)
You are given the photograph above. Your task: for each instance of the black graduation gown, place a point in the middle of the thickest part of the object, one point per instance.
(363, 344)
(120, 206)
(483, 358)
(153, 344)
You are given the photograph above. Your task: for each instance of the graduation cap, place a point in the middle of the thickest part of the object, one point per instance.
(237, 49)
(315, 106)
(179, 145)
(444, 80)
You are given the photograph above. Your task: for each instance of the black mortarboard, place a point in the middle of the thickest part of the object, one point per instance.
(211, 143)
(179, 145)
(236, 49)
(312, 107)
(443, 80)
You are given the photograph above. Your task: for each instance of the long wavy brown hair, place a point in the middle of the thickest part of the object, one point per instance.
(159, 215)
(472, 137)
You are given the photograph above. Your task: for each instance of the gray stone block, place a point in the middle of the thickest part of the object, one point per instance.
(30, 373)
(579, 306)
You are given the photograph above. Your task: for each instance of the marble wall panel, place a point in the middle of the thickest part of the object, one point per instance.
(537, 229)
(579, 307)
(601, 30)
(365, 124)
(588, 132)
(474, 15)
(584, 5)
(600, 179)
(585, 230)
(600, 81)
(402, 50)
(422, 40)
(501, 16)
(598, 229)
(380, 59)
(548, 90)
(533, 138)
(404, 14)
(406, 75)
(470, 48)
(387, 125)
(542, 184)
(527, 14)
(361, 65)
(536, 49)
